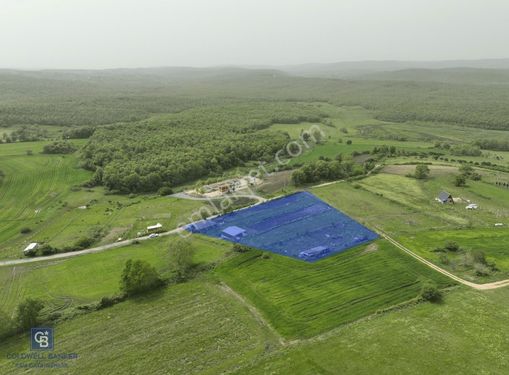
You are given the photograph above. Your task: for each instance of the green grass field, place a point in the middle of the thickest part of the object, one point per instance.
(494, 242)
(42, 192)
(88, 278)
(192, 328)
(303, 299)
(467, 334)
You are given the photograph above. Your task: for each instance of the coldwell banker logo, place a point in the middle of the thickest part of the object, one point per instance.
(42, 339)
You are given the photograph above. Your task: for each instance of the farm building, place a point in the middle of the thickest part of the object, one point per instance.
(233, 233)
(313, 253)
(445, 197)
(151, 228)
(31, 248)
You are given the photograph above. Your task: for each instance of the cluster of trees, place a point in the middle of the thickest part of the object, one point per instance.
(466, 172)
(79, 132)
(493, 144)
(174, 149)
(59, 147)
(28, 315)
(323, 170)
(25, 134)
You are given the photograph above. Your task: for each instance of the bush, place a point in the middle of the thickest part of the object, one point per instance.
(452, 246)
(165, 190)
(46, 249)
(28, 313)
(59, 147)
(349, 142)
(238, 248)
(25, 230)
(460, 180)
(421, 171)
(430, 292)
(181, 259)
(138, 277)
(481, 270)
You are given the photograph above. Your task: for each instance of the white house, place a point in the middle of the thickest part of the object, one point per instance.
(154, 227)
(30, 248)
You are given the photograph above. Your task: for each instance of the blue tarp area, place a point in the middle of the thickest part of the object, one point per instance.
(299, 225)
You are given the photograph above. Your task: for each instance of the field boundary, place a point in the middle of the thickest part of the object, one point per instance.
(488, 286)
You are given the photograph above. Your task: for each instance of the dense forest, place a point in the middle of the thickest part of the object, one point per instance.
(106, 97)
(173, 149)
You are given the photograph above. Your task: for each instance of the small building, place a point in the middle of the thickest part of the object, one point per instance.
(31, 248)
(200, 225)
(314, 252)
(445, 197)
(472, 206)
(152, 228)
(499, 224)
(233, 233)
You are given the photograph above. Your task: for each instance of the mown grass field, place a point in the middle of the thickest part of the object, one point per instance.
(467, 334)
(302, 299)
(88, 278)
(192, 328)
(42, 193)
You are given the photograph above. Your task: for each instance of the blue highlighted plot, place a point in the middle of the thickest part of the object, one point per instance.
(298, 225)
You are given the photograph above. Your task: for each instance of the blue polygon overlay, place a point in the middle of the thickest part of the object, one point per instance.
(298, 225)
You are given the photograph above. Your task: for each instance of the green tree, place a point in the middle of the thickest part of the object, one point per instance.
(460, 180)
(139, 276)
(28, 313)
(430, 292)
(421, 171)
(181, 259)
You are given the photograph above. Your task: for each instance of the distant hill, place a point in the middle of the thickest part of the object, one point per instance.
(355, 69)
(469, 76)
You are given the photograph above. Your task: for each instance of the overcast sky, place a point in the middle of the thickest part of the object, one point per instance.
(147, 33)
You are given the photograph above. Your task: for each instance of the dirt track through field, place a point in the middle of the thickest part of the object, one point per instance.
(488, 286)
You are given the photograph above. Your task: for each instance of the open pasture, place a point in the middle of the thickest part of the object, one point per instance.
(303, 299)
(88, 278)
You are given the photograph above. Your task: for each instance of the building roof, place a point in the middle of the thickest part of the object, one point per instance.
(157, 226)
(202, 224)
(315, 251)
(444, 196)
(234, 231)
(31, 246)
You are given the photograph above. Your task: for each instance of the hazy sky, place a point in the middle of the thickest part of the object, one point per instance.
(143, 33)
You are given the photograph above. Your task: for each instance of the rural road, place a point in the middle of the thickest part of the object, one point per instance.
(488, 286)
(92, 250)
(193, 198)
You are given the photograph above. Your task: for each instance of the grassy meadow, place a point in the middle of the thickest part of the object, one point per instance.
(42, 193)
(67, 283)
(305, 299)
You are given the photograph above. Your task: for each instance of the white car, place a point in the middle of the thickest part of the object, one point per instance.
(153, 235)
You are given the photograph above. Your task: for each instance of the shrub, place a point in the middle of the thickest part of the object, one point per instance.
(165, 190)
(47, 249)
(28, 313)
(481, 270)
(349, 142)
(460, 180)
(238, 248)
(421, 171)
(430, 292)
(59, 147)
(25, 230)
(452, 246)
(138, 277)
(6, 325)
